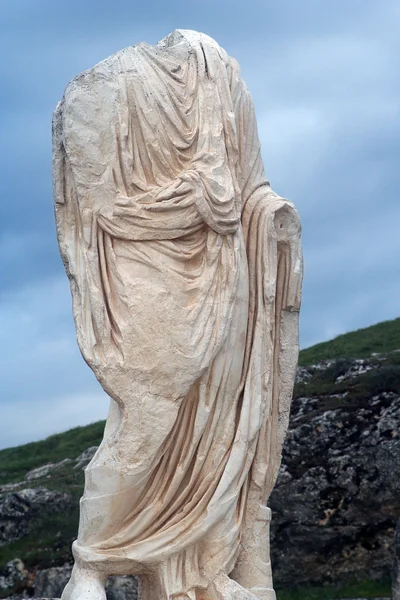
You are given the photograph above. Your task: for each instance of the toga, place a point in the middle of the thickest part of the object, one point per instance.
(185, 272)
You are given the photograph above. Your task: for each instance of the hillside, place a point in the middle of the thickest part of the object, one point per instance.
(334, 507)
(380, 338)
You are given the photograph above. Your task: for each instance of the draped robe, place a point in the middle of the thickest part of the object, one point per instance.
(185, 272)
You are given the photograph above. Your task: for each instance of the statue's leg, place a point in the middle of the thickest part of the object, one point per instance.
(98, 522)
(87, 581)
(85, 584)
(253, 566)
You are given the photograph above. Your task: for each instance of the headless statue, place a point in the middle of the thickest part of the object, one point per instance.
(185, 271)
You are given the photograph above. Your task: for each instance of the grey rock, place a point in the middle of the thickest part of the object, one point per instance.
(84, 459)
(46, 470)
(14, 575)
(396, 564)
(358, 367)
(336, 500)
(9, 487)
(50, 583)
(388, 464)
(303, 374)
(18, 508)
(122, 587)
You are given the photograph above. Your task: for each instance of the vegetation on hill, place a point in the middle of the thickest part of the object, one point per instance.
(16, 462)
(380, 338)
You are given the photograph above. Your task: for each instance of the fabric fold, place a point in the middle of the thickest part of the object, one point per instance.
(185, 271)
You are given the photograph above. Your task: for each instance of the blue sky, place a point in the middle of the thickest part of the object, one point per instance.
(326, 83)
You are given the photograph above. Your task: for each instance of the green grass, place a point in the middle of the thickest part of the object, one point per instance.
(366, 589)
(16, 462)
(383, 338)
(383, 378)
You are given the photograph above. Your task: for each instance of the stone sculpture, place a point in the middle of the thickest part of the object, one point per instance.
(185, 272)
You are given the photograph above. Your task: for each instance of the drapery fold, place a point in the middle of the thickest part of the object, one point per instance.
(185, 271)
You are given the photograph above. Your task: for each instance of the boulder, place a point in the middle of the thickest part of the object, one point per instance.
(13, 577)
(18, 508)
(46, 470)
(84, 459)
(50, 583)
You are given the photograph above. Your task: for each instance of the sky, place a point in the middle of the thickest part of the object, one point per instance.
(325, 80)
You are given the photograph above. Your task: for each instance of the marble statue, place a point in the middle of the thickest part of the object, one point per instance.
(185, 272)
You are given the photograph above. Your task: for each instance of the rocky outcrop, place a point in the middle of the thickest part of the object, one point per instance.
(46, 470)
(15, 577)
(18, 508)
(122, 588)
(337, 497)
(84, 459)
(396, 565)
(51, 582)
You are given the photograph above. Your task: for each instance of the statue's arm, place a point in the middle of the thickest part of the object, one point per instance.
(282, 223)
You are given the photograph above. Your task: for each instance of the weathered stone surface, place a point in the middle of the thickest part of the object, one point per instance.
(337, 497)
(17, 508)
(50, 583)
(396, 563)
(45, 470)
(14, 577)
(9, 487)
(185, 271)
(84, 459)
(122, 587)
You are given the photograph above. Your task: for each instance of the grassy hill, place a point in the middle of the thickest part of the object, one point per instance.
(382, 338)
(16, 462)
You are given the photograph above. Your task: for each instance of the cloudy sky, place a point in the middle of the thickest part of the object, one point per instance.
(325, 78)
